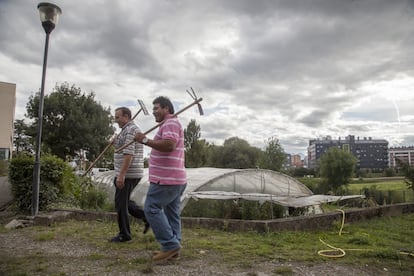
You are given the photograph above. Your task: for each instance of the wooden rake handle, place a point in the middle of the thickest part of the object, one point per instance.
(109, 145)
(197, 101)
(97, 158)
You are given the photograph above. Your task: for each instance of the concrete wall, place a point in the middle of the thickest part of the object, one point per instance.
(303, 223)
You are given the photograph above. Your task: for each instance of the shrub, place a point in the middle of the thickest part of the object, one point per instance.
(55, 181)
(3, 167)
(90, 196)
(312, 183)
(93, 199)
(233, 209)
(361, 173)
(81, 192)
(389, 172)
(58, 187)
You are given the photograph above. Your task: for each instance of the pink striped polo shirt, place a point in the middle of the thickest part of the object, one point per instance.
(168, 168)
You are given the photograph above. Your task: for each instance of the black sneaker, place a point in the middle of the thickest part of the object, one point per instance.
(119, 239)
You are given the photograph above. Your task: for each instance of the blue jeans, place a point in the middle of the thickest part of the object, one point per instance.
(162, 210)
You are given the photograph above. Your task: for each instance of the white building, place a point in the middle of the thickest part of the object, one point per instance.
(405, 154)
(7, 106)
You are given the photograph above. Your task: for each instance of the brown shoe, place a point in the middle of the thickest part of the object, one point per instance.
(174, 257)
(164, 256)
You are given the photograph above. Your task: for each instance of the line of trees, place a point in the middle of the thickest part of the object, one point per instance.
(76, 126)
(234, 153)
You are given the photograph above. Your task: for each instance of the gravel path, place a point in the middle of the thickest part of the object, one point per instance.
(69, 256)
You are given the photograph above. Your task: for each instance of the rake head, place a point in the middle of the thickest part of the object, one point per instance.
(143, 107)
(194, 96)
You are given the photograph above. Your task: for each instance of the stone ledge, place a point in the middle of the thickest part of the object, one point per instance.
(64, 214)
(302, 223)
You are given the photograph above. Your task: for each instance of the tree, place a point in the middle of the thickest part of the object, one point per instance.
(274, 156)
(336, 168)
(215, 156)
(299, 172)
(73, 121)
(195, 149)
(237, 153)
(408, 172)
(21, 140)
(191, 134)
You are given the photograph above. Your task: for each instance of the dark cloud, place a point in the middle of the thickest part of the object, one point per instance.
(316, 118)
(294, 69)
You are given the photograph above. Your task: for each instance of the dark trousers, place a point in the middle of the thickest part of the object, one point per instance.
(124, 205)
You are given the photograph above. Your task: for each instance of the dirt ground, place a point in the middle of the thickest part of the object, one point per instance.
(68, 256)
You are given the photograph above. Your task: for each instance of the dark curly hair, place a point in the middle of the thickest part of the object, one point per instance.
(164, 102)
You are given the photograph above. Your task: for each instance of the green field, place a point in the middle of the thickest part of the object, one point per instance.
(386, 186)
(395, 185)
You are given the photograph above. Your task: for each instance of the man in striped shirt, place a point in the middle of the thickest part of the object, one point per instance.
(167, 179)
(129, 169)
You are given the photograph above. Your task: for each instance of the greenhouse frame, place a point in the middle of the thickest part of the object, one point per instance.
(221, 184)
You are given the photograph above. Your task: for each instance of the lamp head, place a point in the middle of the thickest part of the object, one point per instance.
(49, 15)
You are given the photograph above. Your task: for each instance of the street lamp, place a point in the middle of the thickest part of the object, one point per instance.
(49, 15)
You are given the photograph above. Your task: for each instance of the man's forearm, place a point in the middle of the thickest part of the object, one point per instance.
(162, 145)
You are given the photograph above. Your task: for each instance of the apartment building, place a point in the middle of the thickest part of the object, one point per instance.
(288, 161)
(405, 154)
(372, 154)
(7, 106)
(296, 161)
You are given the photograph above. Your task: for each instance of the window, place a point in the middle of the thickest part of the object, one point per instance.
(345, 147)
(4, 154)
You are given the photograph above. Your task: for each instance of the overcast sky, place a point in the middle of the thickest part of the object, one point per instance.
(294, 70)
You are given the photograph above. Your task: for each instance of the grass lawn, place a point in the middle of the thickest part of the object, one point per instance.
(382, 243)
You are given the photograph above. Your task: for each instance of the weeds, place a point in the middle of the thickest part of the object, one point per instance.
(376, 242)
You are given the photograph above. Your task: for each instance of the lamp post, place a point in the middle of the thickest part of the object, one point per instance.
(49, 15)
